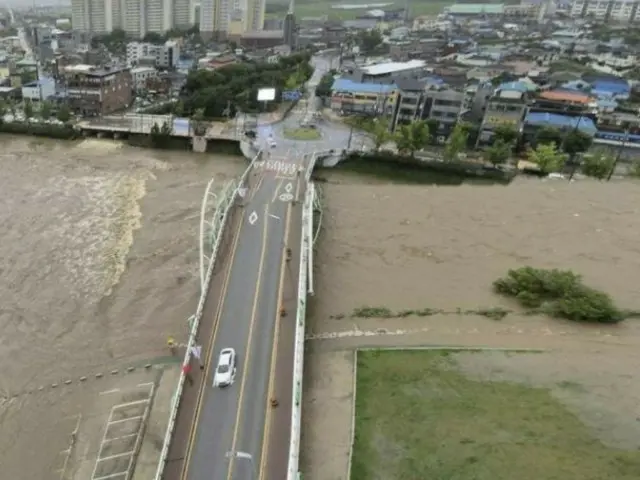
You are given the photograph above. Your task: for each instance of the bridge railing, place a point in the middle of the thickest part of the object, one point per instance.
(222, 210)
(306, 246)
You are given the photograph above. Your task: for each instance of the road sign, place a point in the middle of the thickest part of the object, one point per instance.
(291, 95)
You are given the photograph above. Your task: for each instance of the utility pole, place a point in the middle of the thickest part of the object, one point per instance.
(623, 144)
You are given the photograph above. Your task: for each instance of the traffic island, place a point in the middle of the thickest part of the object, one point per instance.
(303, 133)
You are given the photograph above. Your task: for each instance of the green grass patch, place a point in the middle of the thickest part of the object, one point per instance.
(302, 134)
(418, 418)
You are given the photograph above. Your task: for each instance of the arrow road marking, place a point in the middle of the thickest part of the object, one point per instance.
(253, 218)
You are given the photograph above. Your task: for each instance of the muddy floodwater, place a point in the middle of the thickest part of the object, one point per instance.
(99, 253)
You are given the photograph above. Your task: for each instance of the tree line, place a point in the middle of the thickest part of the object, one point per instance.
(234, 88)
(44, 110)
(551, 150)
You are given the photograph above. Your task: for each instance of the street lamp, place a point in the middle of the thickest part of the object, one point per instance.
(244, 456)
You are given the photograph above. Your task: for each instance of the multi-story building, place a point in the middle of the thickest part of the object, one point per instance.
(136, 17)
(507, 106)
(217, 17)
(92, 91)
(162, 56)
(141, 77)
(349, 97)
(422, 100)
(606, 10)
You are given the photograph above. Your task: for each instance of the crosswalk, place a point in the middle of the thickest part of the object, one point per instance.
(279, 167)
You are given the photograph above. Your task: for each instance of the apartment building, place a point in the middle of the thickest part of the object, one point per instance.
(136, 17)
(92, 91)
(507, 106)
(218, 17)
(142, 76)
(162, 56)
(607, 10)
(422, 100)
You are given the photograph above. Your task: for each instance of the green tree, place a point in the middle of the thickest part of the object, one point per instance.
(547, 156)
(28, 110)
(456, 142)
(379, 130)
(45, 110)
(3, 109)
(154, 38)
(63, 114)
(178, 108)
(324, 85)
(433, 126)
(576, 142)
(198, 123)
(413, 137)
(13, 108)
(506, 133)
(598, 164)
(498, 153)
(546, 135)
(368, 41)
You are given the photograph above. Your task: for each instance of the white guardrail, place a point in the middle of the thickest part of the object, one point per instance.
(224, 205)
(306, 247)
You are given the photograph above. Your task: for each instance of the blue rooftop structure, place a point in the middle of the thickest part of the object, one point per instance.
(544, 119)
(521, 87)
(346, 85)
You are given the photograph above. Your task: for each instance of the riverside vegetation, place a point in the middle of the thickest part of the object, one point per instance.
(556, 293)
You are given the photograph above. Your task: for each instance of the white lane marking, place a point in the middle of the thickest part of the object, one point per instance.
(274, 216)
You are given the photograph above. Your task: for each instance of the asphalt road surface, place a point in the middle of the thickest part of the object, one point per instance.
(230, 422)
(230, 433)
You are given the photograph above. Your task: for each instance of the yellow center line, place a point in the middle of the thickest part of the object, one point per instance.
(276, 192)
(274, 350)
(247, 356)
(203, 386)
(255, 189)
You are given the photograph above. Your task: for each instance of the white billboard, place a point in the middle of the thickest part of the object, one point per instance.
(266, 94)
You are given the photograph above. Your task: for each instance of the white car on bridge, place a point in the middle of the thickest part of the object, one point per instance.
(226, 368)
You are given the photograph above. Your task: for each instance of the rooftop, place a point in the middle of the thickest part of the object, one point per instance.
(345, 85)
(393, 67)
(565, 96)
(93, 71)
(476, 8)
(584, 124)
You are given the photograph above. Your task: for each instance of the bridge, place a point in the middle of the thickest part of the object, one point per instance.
(141, 124)
(256, 271)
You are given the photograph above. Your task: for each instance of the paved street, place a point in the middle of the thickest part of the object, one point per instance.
(236, 433)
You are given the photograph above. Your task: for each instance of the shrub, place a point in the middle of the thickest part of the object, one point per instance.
(558, 293)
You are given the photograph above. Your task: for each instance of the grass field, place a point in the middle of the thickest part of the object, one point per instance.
(418, 417)
(302, 134)
(309, 8)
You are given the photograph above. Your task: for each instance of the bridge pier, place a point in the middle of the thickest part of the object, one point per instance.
(199, 144)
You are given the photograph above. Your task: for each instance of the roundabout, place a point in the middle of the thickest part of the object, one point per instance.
(302, 133)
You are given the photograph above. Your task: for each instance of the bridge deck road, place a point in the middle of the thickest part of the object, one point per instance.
(232, 426)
